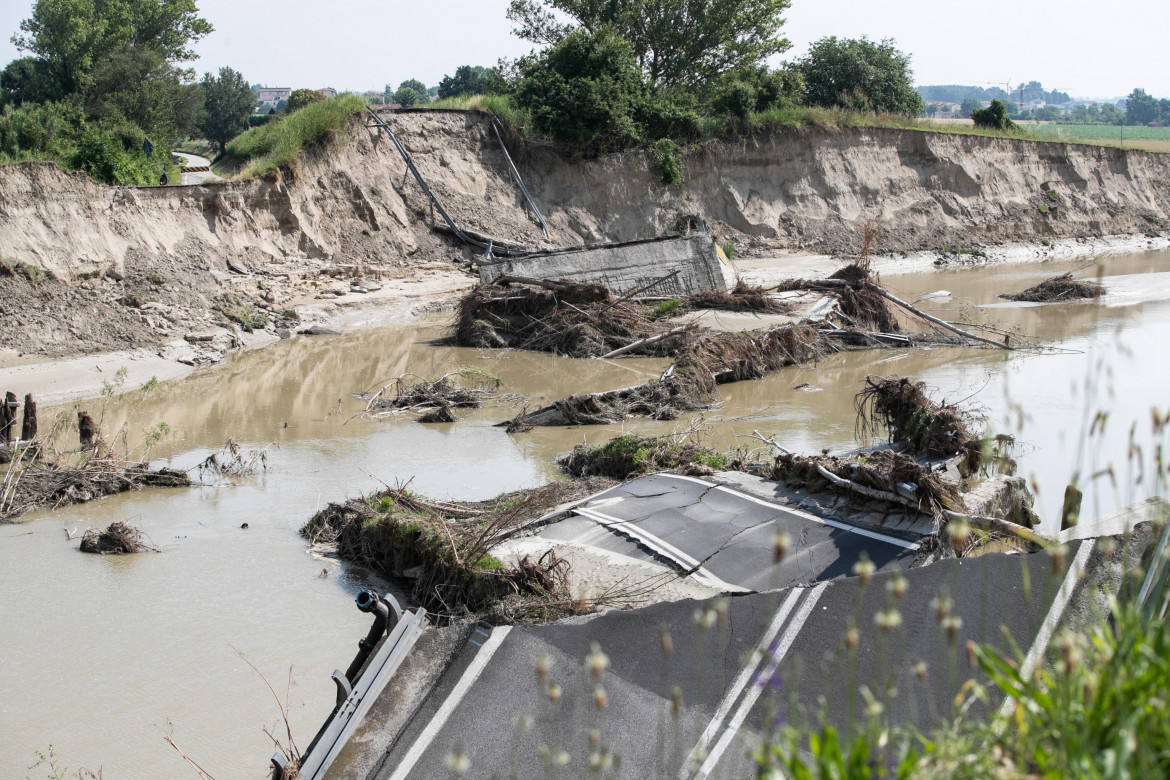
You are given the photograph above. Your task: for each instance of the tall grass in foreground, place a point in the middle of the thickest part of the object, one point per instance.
(281, 142)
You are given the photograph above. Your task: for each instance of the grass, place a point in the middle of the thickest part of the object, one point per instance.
(1153, 139)
(279, 144)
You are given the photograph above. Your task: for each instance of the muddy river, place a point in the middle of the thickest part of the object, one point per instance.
(102, 657)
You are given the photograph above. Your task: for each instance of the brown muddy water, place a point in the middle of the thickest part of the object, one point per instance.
(101, 657)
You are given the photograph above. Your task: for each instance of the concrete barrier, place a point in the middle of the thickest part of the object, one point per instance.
(622, 267)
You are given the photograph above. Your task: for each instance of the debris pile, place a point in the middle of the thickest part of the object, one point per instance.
(629, 455)
(741, 297)
(1058, 288)
(466, 388)
(118, 539)
(234, 461)
(444, 547)
(561, 317)
(32, 485)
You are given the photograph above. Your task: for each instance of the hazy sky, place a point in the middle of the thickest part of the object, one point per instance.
(1089, 49)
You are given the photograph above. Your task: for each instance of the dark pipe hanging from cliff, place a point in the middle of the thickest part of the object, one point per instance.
(368, 601)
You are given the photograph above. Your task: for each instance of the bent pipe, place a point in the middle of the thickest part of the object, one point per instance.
(368, 601)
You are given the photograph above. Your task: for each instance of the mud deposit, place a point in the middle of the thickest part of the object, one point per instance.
(71, 622)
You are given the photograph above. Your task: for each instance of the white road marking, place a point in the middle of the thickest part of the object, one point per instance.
(732, 695)
(700, 572)
(1044, 635)
(761, 681)
(806, 515)
(470, 675)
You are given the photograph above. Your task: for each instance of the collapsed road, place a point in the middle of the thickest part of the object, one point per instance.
(689, 688)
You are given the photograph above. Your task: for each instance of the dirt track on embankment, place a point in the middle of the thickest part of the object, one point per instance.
(350, 213)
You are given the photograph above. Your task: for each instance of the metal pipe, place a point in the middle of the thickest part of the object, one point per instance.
(368, 601)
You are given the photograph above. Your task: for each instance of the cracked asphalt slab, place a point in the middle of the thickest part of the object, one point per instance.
(725, 536)
(759, 660)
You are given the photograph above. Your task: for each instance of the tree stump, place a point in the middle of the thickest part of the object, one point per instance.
(28, 429)
(86, 429)
(8, 421)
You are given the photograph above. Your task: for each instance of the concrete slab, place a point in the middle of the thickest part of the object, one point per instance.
(760, 659)
(622, 267)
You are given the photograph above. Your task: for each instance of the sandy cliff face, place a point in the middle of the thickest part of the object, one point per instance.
(352, 203)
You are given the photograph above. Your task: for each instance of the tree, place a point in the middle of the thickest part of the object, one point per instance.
(27, 80)
(469, 80)
(969, 105)
(303, 97)
(228, 104)
(1110, 114)
(73, 36)
(138, 84)
(994, 117)
(1164, 111)
(408, 96)
(585, 91)
(414, 84)
(1140, 108)
(674, 42)
(861, 75)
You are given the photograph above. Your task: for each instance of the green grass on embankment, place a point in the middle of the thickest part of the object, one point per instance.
(280, 142)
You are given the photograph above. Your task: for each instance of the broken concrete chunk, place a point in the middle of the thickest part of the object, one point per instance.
(199, 338)
(220, 276)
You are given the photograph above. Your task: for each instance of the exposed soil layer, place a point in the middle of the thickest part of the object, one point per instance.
(349, 213)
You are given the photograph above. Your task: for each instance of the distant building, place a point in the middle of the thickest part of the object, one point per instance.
(273, 94)
(328, 92)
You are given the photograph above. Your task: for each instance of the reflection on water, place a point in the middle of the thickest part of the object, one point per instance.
(98, 655)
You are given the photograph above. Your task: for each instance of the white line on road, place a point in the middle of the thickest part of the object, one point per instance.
(807, 516)
(1044, 635)
(701, 573)
(470, 675)
(762, 681)
(764, 645)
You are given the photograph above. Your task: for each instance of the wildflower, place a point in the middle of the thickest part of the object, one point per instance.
(780, 546)
(457, 762)
(888, 619)
(873, 707)
(960, 532)
(676, 702)
(864, 568)
(554, 693)
(721, 614)
(852, 637)
(920, 670)
(594, 737)
(897, 585)
(1058, 553)
(942, 604)
(667, 645)
(543, 664)
(599, 697)
(598, 661)
(952, 625)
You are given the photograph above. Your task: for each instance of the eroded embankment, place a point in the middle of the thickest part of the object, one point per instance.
(350, 211)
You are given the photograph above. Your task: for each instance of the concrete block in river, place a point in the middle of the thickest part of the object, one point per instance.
(621, 267)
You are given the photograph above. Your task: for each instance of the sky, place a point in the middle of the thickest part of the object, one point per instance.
(1089, 49)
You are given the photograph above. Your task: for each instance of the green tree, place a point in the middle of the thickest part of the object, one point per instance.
(408, 96)
(1164, 110)
(1110, 114)
(674, 42)
(303, 97)
(73, 36)
(27, 80)
(585, 91)
(1140, 108)
(969, 105)
(471, 80)
(415, 86)
(138, 84)
(227, 105)
(860, 74)
(994, 117)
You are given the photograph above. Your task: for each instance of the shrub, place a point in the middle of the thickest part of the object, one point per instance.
(303, 97)
(665, 161)
(584, 92)
(993, 117)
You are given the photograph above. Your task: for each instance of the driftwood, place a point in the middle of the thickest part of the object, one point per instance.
(28, 429)
(8, 417)
(986, 523)
(87, 429)
(647, 341)
(936, 320)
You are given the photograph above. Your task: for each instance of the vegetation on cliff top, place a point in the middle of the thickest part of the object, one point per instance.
(279, 143)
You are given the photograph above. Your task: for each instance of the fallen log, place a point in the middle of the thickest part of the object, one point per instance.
(985, 523)
(646, 341)
(936, 320)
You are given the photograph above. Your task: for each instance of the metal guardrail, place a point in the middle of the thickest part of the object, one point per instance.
(1154, 597)
(519, 181)
(355, 701)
